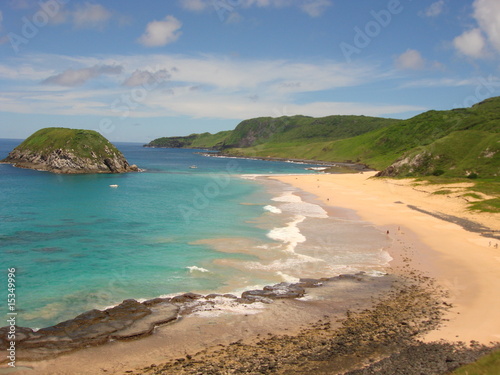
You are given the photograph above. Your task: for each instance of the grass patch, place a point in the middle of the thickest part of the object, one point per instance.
(488, 205)
(489, 187)
(488, 365)
(443, 192)
(473, 195)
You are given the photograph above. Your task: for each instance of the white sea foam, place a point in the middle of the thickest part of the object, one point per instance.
(284, 264)
(293, 204)
(288, 197)
(197, 269)
(290, 234)
(305, 209)
(288, 278)
(375, 273)
(272, 209)
(222, 305)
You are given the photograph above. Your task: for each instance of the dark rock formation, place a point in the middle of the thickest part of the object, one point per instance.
(69, 151)
(132, 320)
(281, 290)
(128, 320)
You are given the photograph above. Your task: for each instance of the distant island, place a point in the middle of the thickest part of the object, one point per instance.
(456, 143)
(69, 151)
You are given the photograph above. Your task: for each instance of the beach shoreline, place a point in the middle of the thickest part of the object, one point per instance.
(416, 251)
(465, 263)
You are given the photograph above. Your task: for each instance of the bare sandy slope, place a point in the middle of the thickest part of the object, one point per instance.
(465, 263)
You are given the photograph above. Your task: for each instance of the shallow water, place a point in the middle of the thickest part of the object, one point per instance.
(78, 244)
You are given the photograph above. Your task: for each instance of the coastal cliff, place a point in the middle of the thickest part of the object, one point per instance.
(69, 151)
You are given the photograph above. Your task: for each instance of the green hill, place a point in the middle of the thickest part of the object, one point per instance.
(456, 143)
(204, 140)
(63, 150)
(277, 131)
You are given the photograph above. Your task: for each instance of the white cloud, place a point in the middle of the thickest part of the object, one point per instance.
(480, 41)
(435, 9)
(23, 72)
(194, 5)
(90, 16)
(315, 8)
(160, 33)
(471, 43)
(78, 77)
(144, 77)
(196, 87)
(411, 59)
(487, 14)
(441, 82)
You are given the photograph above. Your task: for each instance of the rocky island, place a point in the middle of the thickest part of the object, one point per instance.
(69, 151)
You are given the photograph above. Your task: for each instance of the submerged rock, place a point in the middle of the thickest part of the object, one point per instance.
(69, 151)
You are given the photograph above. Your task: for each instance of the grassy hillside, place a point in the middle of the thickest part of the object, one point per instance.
(203, 140)
(488, 365)
(301, 129)
(278, 131)
(458, 143)
(83, 143)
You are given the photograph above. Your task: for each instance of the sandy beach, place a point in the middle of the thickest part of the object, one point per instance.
(464, 263)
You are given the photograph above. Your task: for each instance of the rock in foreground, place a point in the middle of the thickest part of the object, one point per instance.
(70, 151)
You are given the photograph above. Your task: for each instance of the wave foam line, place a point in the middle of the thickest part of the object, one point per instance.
(290, 234)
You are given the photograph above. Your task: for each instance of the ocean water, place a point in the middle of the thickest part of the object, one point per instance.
(78, 243)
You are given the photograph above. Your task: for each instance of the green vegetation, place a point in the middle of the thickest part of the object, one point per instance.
(82, 143)
(488, 365)
(204, 140)
(473, 195)
(443, 192)
(457, 143)
(278, 132)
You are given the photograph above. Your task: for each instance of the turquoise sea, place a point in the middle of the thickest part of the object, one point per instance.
(78, 243)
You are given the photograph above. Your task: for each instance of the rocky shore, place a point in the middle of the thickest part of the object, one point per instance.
(381, 340)
(329, 166)
(132, 319)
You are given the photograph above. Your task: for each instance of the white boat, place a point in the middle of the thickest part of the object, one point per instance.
(193, 167)
(113, 186)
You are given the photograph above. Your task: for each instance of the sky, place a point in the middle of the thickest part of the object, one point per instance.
(137, 70)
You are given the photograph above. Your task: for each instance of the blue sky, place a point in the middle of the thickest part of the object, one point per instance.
(137, 70)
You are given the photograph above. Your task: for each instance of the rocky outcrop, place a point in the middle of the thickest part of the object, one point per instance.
(278, 291)
(66, 162)
(128, 320)
(132, 319)
(419, 163)
(69, 151)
